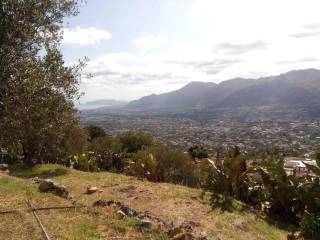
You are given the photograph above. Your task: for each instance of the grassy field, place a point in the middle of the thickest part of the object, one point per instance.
(169, 201)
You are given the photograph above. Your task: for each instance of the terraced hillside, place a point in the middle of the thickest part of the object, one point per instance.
(172, 202)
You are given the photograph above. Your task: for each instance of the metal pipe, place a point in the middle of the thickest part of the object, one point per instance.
(43, 230)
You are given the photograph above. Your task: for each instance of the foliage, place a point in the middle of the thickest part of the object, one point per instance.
(285, 194)
(108, 153)
(132, 142)
(95, 131)
(10, 154)
(85, 162)
(144, 165)
(75, 142)
(310, 225)
(229, 178)
(174, 166)
(198, 152)
(36, 88)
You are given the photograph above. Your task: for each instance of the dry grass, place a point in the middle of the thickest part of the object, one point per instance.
(172, 202)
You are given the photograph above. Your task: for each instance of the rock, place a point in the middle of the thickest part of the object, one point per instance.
(184, 236)
(61, 191)
(121, 214)
(128, 211)
(35, 180)
(189, 225)
(91, 190)
(46, 185)
(146, 223)
(4, 167)
(106, 203)
(49, 186)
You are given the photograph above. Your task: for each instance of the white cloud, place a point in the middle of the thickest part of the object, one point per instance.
(218, 40)
(85, 36)
(149, 42)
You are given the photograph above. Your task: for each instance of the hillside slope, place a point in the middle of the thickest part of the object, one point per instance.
(299, 87)
(168, 201)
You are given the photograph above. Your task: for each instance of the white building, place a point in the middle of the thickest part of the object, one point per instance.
(298, 166)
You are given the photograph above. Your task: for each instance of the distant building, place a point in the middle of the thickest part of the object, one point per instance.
(296, 166)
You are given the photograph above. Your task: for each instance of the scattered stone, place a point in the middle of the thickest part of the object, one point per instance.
(128, 211)
(4, 167)
(106, 203)
(48, 185)
(146, 223)
(189, 225)
(182, 232)
(91, 190)
(121, 214)
(35, 180)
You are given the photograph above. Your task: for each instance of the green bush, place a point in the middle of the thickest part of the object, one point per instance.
(175, 166)
(10, 155)
(144, 165)
(198, 152)
(310, 225)
(86, 162)
(95, 131)
(132, 142)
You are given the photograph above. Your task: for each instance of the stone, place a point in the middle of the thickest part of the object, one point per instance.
(91, 190)
(4, 167)
(48, 185)
(61, 191)
(189, 225)
(121, 214)
(106, 203)
(35, 180)
(146, 223)
(128, 211)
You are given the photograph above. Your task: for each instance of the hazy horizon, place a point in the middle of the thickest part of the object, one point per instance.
(141, 47)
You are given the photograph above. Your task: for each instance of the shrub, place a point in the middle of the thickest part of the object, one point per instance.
(144, 165)
(229, 178)
(310, 225)
(132, 142)
(95, 131)
(175, 166)
(86, 162)
(198, 152)
(11, 154)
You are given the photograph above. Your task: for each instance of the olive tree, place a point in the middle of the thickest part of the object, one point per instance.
(37, 89)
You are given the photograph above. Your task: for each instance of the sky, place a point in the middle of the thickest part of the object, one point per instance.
(142, 47)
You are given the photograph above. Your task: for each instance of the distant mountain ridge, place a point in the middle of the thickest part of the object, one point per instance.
(294, 88)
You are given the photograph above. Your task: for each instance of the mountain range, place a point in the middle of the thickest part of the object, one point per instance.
(291, 89)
